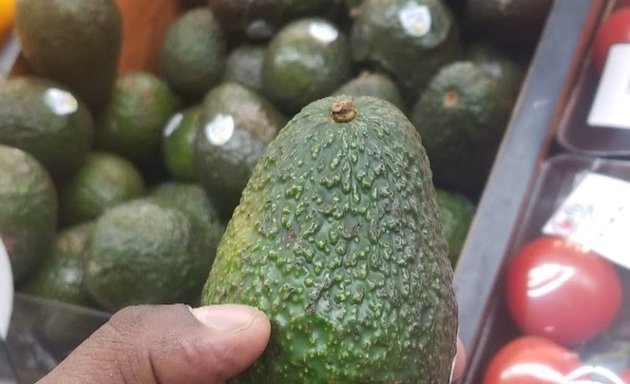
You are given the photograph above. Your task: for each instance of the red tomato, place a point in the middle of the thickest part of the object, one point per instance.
(531, 360)
(615, 29)
(559, 290)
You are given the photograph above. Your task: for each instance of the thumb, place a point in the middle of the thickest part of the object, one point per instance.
(168, 344)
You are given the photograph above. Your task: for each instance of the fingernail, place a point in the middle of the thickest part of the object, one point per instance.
(226, 317)
(458, 363)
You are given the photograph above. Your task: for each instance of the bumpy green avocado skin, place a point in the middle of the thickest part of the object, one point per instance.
(338, 240)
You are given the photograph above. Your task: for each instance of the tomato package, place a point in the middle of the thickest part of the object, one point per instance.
(566, 282)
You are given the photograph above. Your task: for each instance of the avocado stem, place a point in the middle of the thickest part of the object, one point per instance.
(343, 111)
(450, 99)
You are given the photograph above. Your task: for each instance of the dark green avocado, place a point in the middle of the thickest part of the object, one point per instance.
(235, 126)
(192, 200)
(261, 19)
(141, 252)
(308, 59)
(193, 53)
(75, 42)
(499, 62)
(373, 84)
(509, 21)
(411, 39)
(457, 213)
(178, 143)
(60, 276)
(338, 240)
(244, 66)
(45, 119)
(462, 116)
(28, 210)
(105, 180)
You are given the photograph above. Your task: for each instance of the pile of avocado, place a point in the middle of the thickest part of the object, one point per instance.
(318, 159)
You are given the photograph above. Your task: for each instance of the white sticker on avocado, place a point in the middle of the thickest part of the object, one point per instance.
(60, 101)
(323, 32)
(172, 124)
(415, 19)
(611, 106)
(220, 130)
(596, 214)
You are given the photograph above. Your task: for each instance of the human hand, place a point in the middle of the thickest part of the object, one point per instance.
(172, 344)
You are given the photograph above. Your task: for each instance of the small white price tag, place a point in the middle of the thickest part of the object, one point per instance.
(415, 19)
(597, 215)
(611, 106)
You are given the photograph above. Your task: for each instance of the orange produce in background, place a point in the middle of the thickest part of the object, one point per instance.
(7, 16)
(144, 25)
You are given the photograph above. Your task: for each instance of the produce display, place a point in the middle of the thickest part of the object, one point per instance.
(564, 288)
(329, 153)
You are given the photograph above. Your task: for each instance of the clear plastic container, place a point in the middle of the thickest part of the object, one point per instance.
(43, 332)
(602, 355)
(595, 120)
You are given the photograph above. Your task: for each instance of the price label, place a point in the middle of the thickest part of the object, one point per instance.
(415, 19)
(597, 215)
(611, 106)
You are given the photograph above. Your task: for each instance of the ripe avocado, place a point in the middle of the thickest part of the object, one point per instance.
(411, 39)
(104, 180)
(244, 66)
(193, 53)
(462, 116)
(60, 276)
(260, 19)
(141, 253)
(308, 59)
(338, 240)
(457, 213)
(28, 209)
(43, 118)
(373, 84)
(132, 122)
(499, 63)
(236, 125)
(75, 42)
(192, 200)
(178, 143)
